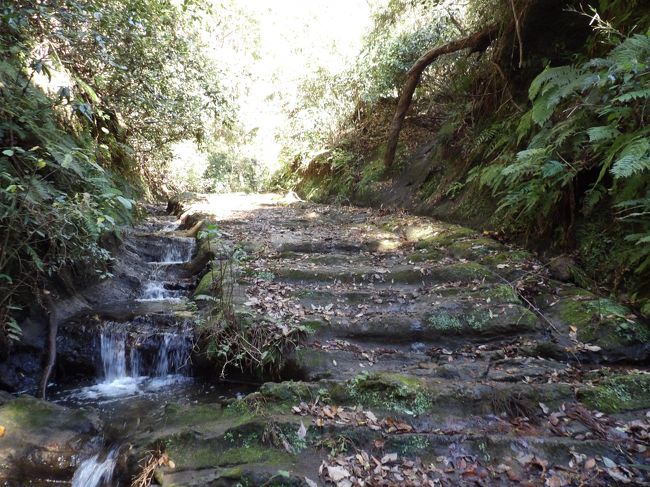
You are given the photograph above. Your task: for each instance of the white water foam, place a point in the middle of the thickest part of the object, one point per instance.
(95, 473)
(156, 291)
(122, 374)
(177, 253)
(170, 227)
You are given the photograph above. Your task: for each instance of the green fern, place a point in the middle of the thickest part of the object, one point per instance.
(633, 159)
(586, 121)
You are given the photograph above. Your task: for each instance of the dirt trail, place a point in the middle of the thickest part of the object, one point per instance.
(433, 354)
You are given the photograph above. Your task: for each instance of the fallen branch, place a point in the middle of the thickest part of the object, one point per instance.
(476, 42)
(148, 466)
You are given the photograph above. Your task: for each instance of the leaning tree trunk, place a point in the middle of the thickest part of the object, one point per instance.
(477, 42)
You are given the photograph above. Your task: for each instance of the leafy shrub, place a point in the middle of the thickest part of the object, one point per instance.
(587, 123)
(92, 95)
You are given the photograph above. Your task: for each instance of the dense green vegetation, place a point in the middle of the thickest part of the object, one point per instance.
(93, 95)
(546, 128)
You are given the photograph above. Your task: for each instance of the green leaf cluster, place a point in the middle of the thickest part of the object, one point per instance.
(92, 96)
(587, 125)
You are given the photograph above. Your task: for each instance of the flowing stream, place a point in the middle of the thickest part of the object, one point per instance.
(143, 358)
(94, 473)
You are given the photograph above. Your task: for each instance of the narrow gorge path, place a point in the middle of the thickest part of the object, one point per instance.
(260, 340)
(432, 355)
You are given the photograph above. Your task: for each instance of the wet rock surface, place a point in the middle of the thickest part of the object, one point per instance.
(433, 356)
(428, 355)
(41, 440)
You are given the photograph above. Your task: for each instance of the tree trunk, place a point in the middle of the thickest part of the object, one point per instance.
(51, 357)
(477, 42)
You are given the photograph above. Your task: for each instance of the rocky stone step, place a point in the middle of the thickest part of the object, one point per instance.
(337, 359)
(426, 402)
(397, 275)
(440, 326)
(404, 299)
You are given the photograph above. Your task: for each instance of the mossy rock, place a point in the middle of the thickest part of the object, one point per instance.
(446, 237)
(464, 272)
(602, 322)
(206, 284)
(391, 392)
(27, 413)
(191, 453)
(328, 259)
(211, 284)
(382, 244)
(501, 294)
(426, 255)
(309, 359)
(457, 272)
(618, 393)
(474, 248)
(289, 392)
(421, 232)
(42, 440)
(484, 322)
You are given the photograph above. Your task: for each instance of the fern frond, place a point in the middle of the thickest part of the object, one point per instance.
(633, 95)
(633, 159)
(633, 51)
(553, 77)
(602, 133)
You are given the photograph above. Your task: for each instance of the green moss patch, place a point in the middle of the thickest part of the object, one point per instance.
(488, 321)
(392, 392)
(618, 393)
(445, 238)
(474, 248)
(206, 284)
(289, 392)
(28, 413)
(602, 321)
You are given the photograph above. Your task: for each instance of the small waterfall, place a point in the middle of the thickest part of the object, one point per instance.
(113, 352)
(95, 473)
(155, 291)
(151, 351)
(172, 355)
(134, 359)
(170, 227)
(127, 370)
(180, 253)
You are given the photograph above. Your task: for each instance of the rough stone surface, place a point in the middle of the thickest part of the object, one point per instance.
(470, 346)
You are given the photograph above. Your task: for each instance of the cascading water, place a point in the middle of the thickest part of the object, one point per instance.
(113, 352)
(127, 371)
(144, 349)
(172, 355)
(179, 251)
(95, 473)
(156, 291)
